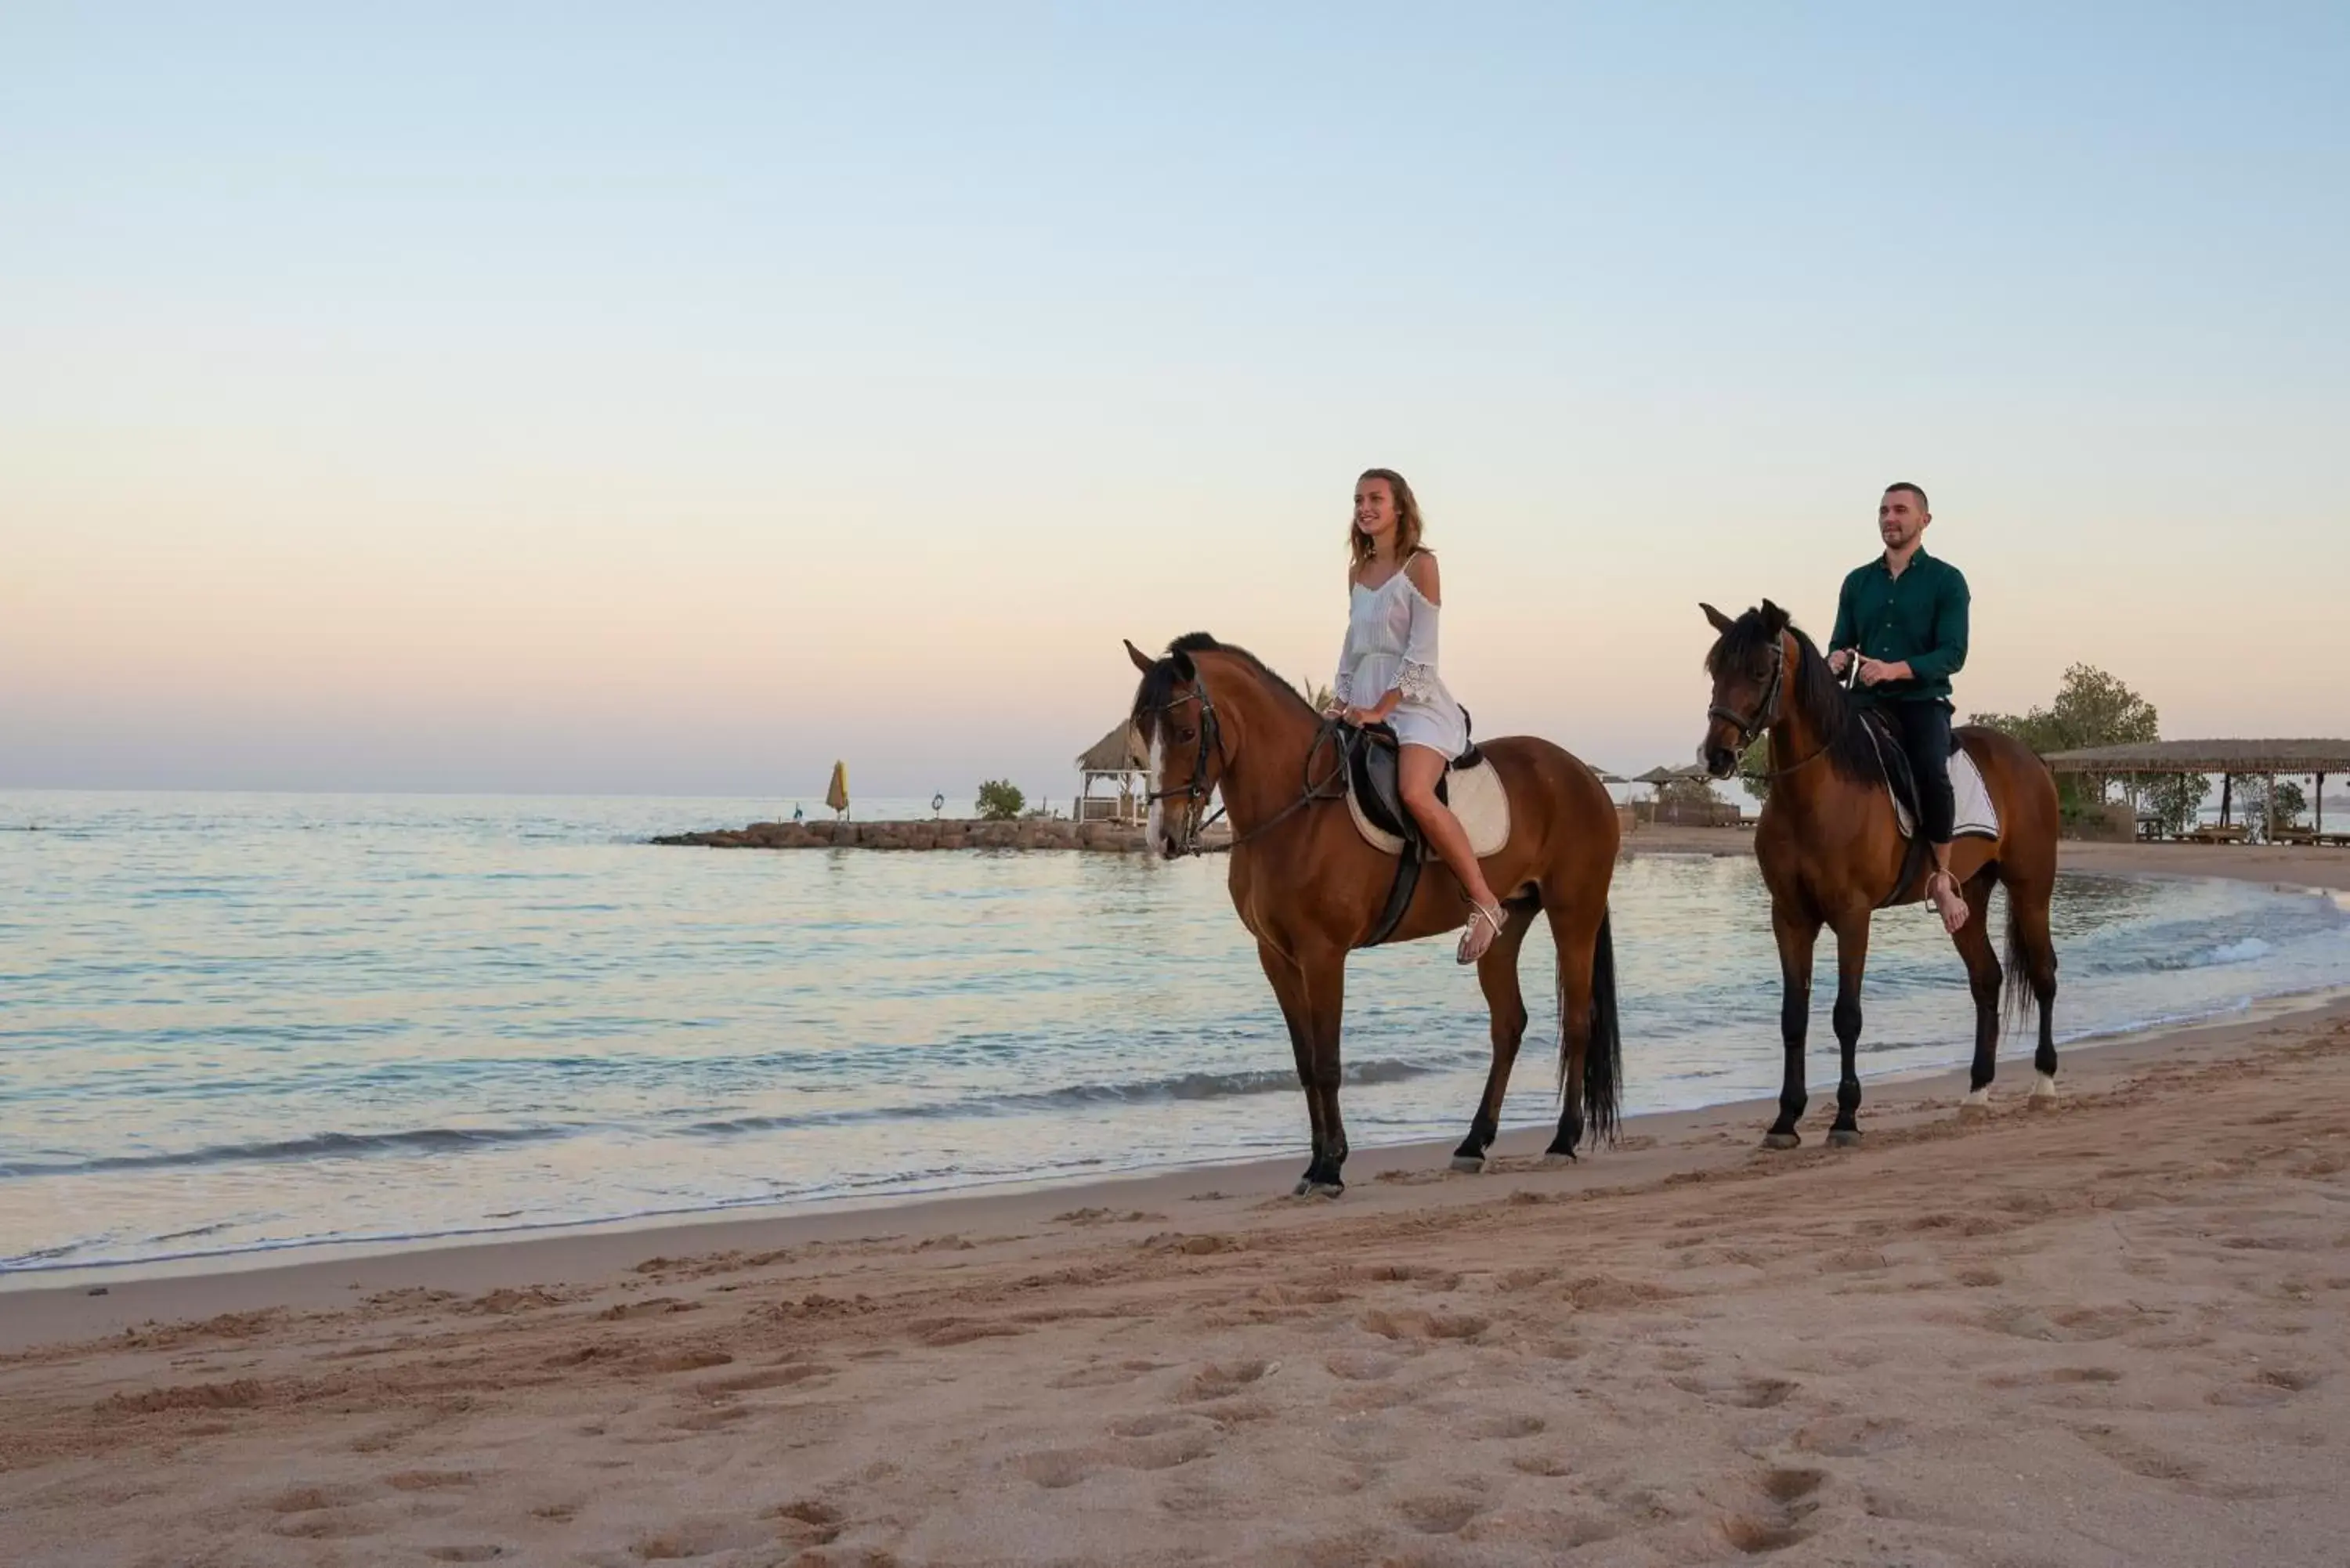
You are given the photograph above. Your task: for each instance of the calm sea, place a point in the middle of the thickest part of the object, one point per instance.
(237, 1023)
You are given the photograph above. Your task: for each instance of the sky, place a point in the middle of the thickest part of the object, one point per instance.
(675, 399)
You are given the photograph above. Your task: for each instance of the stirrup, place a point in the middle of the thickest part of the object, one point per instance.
(1494, 918)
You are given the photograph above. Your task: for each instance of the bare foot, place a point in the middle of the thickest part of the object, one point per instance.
(1943, 889)
(1484, 925)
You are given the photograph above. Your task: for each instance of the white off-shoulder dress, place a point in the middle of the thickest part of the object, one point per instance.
(1391, 647)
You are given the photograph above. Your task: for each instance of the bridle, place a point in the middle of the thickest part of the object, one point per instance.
(1768, 709)
(1195, 793)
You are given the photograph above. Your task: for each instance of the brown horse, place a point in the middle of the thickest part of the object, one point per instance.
(1832, 853)
(1310, 889)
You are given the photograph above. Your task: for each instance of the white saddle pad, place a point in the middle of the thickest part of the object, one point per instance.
(1975, 817)
(1478, 801)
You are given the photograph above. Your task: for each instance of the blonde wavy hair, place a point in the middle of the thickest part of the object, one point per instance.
(1360, 545)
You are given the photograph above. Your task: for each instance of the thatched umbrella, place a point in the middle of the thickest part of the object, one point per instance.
(837, 796)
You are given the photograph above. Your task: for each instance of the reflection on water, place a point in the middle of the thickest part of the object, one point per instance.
(229, 1022)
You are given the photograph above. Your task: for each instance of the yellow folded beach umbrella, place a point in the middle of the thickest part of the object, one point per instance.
(837, 796)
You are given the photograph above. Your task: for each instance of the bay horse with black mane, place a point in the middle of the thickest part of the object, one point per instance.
(1309, 888)
(1831, 852)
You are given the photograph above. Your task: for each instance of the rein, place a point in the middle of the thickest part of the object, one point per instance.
(1195, 793)
(1768, 710)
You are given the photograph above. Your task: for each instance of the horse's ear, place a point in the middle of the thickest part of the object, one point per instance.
(1721, 623)
(1142, 660)
(1775, 619)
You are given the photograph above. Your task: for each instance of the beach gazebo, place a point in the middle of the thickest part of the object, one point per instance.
(2232, 759)
(1118, 760)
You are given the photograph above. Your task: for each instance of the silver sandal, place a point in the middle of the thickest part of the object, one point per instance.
(1493, 917)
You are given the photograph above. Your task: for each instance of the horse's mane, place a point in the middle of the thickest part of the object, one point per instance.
(1159, 685)
(1813, 685)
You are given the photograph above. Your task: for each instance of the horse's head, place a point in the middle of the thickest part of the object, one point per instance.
(1749, 663)
(1176, 719)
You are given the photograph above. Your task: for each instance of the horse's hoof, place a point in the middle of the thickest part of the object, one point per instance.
(1302, 1188)
(1782, 1140)
(1843, 1138)
(1558, 1158)
(1974, 1109)
(1325, 1188)
(1469, 1164)
(2043, 1093)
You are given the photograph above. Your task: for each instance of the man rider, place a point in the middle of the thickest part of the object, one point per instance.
(1904, 618)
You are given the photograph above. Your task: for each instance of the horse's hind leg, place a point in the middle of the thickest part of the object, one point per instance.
(1983, 976)
(1497, 976)
(2032, 951)
(1576, 933)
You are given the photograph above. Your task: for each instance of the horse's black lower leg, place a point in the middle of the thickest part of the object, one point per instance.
(1577, 962)
(1497, 977)
(1289, 990)
(2039, 958)
(1852, 961)
(1983, 980)
(1796, 936)
(1325, 996)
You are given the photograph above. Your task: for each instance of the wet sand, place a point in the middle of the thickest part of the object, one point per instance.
(2109, 1334)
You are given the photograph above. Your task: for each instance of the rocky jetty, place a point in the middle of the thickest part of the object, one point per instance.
(1039, 833)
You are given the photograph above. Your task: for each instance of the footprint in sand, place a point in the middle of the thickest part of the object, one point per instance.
(1216, 1380)
(810, 1522)
(1778, 1524)
(1410, 1326)
(1361, 1366)
(704, 1537)
(1742, 1393)
(1105, 1375)
(1439, 1516)
(479, 1553)
(428, 1480)
(1851, 1436)
(1508, 1429)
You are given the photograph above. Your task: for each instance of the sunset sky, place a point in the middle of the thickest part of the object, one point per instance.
(676, 399)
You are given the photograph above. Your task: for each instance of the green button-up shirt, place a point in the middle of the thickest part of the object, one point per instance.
(1920, 616)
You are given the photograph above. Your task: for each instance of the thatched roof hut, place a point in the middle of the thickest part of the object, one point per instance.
(1119, 758)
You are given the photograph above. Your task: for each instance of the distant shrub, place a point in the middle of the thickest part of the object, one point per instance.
(1001, 800)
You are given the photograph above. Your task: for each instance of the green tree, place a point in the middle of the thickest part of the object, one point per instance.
(1000, 801)
(2171, 799)
(2092, 708)
(1754, 768)
(2292, 799)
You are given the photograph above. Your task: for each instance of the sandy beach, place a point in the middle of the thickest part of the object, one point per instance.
(2111, 1333)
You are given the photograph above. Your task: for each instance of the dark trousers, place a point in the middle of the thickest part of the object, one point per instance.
(1925, 732)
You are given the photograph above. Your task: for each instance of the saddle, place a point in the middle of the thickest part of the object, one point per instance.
(1975, 816)
(1469, 787)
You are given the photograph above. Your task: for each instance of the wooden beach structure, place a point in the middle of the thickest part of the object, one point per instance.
(1120, 761)
(1707, 813)
(2231, 760)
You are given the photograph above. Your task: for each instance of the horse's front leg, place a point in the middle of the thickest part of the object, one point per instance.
(1324, 973)
(1289, 990)
(1798, 932)
(1852, 959)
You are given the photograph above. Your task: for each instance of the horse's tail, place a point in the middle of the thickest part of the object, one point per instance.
(2017, 984)
(1603, 1051)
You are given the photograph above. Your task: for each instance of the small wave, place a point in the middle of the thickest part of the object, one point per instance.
(318, 1145)
(1072, 1097)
